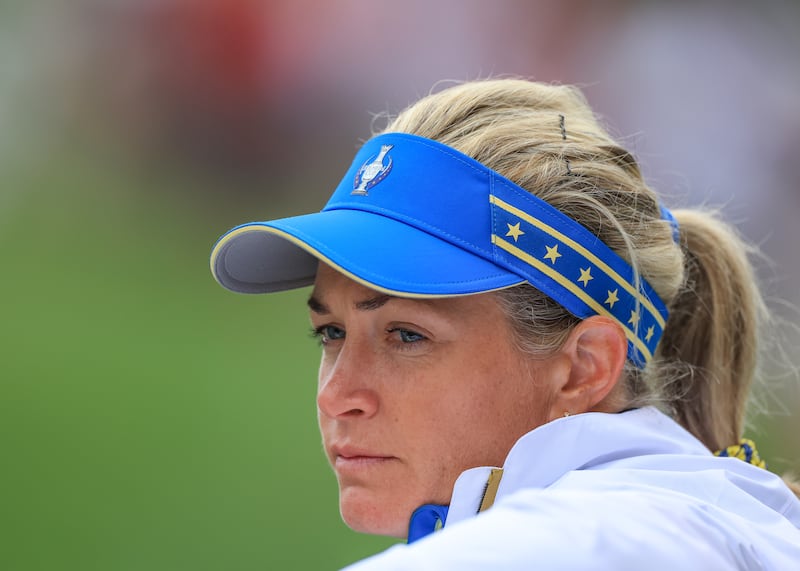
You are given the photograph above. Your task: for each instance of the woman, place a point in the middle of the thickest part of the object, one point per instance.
(521, 346)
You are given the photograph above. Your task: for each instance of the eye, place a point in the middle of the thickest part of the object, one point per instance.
(327, 333)
(408, 336)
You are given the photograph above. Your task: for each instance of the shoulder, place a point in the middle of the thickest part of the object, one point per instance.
(624, 526)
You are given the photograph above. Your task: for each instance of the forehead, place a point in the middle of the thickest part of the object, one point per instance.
(332, 283)
(334, 289)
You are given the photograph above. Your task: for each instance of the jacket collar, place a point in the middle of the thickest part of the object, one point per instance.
(579, 442)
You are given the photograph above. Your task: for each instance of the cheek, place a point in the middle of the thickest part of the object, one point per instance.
(499, 401)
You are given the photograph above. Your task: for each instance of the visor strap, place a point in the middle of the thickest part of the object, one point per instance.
(561, 258)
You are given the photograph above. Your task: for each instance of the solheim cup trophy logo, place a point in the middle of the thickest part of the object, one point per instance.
(372, 171)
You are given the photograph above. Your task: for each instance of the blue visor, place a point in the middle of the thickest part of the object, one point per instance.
(416, 218)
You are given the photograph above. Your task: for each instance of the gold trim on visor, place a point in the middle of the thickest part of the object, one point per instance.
(560, 279)
(584, 252)
(299, 243)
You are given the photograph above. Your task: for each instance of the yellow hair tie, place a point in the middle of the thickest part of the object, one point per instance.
(745, 450)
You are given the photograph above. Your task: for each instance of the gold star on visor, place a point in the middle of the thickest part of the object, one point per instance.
(514, 231)
(586, 276)
(612, 298)
(552, 253)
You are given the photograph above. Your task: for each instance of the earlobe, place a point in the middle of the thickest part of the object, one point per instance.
(596, 350)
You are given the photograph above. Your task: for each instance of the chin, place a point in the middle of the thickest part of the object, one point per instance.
(365, 513)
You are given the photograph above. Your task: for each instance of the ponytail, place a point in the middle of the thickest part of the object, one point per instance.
(713, 331)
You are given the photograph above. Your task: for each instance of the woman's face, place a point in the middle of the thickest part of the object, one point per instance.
(413, 392)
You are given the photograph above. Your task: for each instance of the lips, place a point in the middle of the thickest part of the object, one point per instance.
(350, 458)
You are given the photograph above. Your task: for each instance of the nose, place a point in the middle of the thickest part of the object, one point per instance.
(347, 387)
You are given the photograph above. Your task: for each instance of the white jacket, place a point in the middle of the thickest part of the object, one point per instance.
(612, 492)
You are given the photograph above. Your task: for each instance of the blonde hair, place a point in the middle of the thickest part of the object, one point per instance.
(547, 140)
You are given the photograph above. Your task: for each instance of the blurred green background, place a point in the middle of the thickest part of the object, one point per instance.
(150, 419)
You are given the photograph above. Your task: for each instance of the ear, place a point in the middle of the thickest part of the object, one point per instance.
(595, 350)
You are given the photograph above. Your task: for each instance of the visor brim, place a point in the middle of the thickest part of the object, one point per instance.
(379, 252)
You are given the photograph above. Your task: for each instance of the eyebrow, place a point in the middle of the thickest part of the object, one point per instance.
(374, 302)
(370, 304)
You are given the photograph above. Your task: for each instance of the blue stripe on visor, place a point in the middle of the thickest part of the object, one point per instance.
(567, 262)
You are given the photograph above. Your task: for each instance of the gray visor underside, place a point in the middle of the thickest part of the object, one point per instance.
(258, 262)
